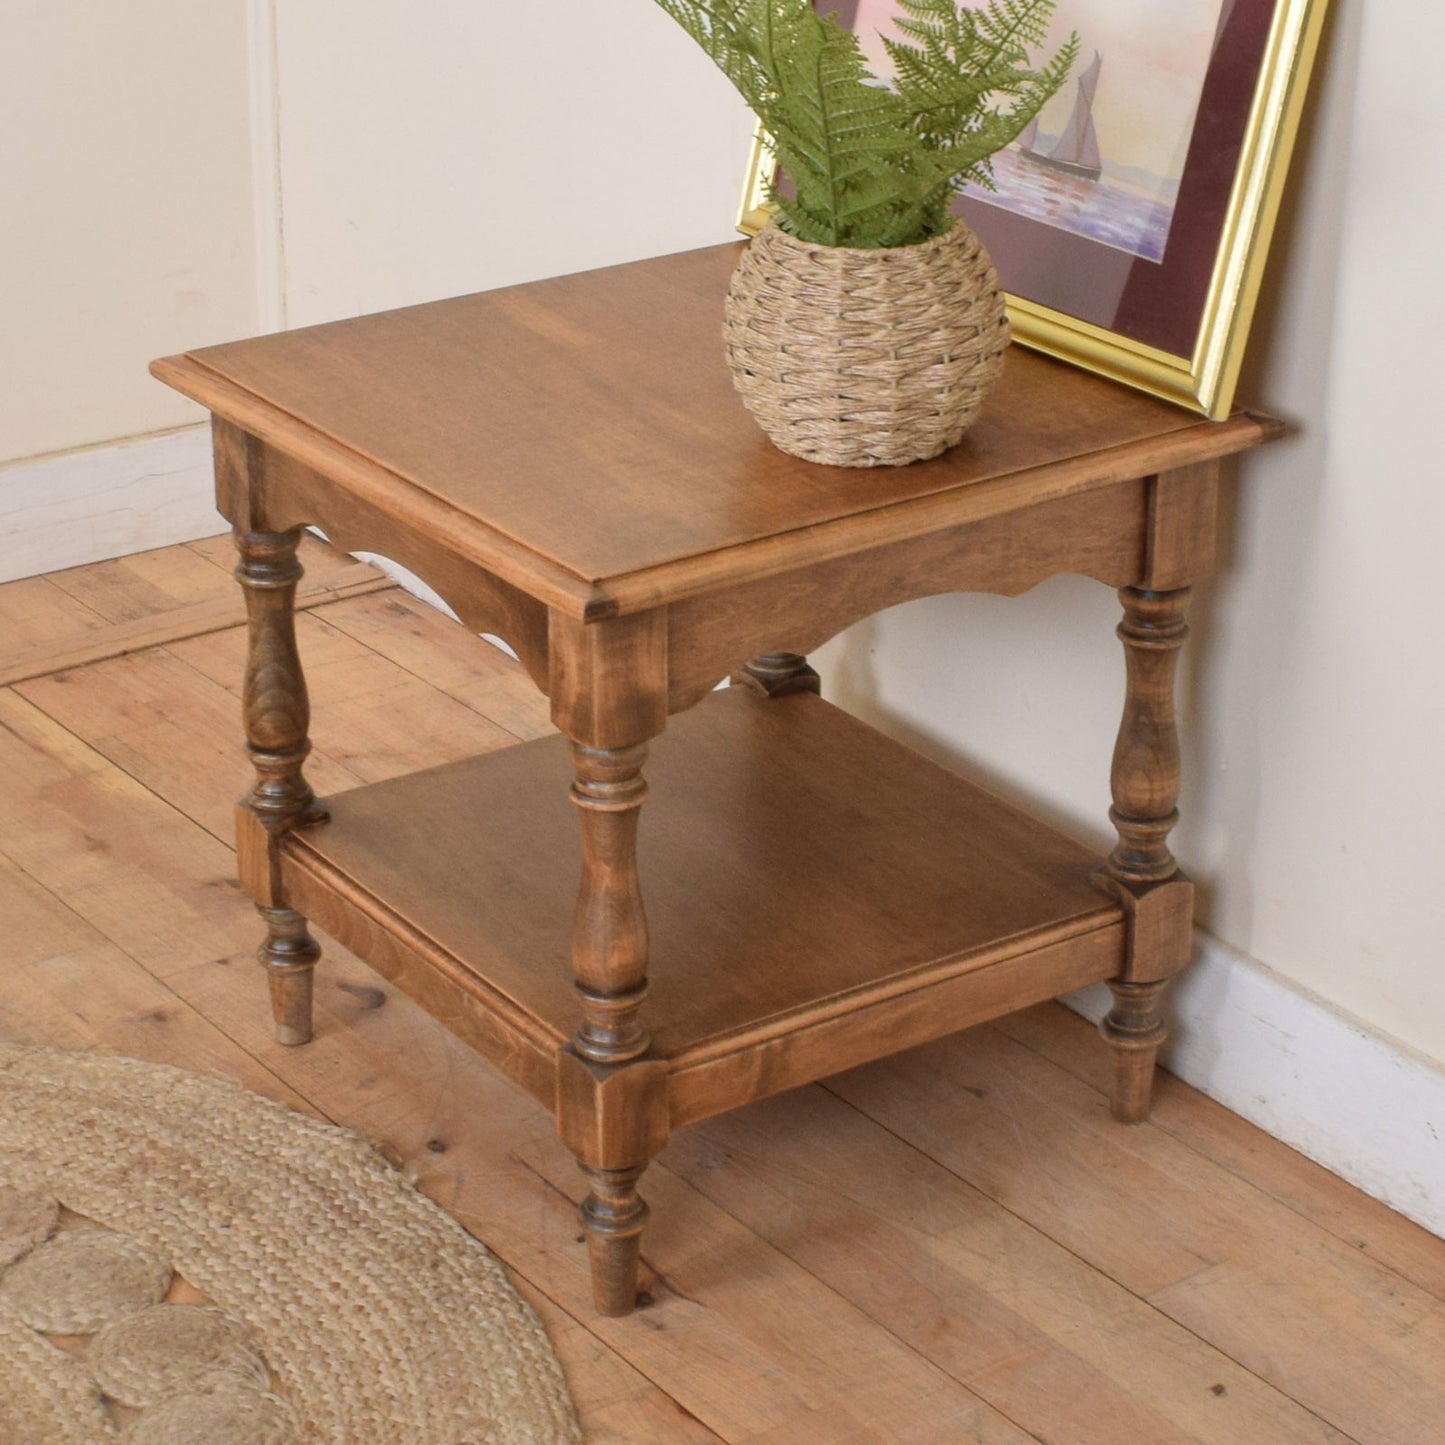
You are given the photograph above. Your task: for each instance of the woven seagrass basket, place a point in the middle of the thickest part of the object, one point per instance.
(865, 358)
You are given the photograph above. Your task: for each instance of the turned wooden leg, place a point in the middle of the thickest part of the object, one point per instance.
(277, 716)
(609, 930)
(290, 955)
(778, 674)
(1134, 1031)
(613, 1216)
(1145, 781)
(609, 957)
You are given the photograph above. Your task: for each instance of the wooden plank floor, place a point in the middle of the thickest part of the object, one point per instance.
(953, 1245)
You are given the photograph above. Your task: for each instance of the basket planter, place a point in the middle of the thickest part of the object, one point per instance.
(865, 358)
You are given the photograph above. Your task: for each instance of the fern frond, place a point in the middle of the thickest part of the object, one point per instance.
(843, 140)
(954, 61)
(867, 164)
(731, 33)
(1013, 24)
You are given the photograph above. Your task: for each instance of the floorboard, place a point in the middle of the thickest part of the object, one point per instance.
(953, 1245)
(1253, 1156)
(73, 618)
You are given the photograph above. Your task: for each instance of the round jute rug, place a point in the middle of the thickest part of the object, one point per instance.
(181, 1260)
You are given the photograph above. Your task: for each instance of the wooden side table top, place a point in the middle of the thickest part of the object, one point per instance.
(580, 439)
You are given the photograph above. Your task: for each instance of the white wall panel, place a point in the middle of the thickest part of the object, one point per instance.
(125, 210)
(430, 150)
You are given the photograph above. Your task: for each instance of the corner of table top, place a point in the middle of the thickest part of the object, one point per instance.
(543, 578)
(1271, 428)
(174, 371)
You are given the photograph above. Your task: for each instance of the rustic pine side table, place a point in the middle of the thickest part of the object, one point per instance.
(567, 465)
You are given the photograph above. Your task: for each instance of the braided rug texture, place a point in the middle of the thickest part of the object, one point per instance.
(865, 358)
(381, 1320)
(45, 1396)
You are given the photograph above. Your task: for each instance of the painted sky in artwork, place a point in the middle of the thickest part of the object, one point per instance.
(1155, 55)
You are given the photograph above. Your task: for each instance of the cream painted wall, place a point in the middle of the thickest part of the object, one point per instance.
(1314, 700)
(125, 229)
(456, 146)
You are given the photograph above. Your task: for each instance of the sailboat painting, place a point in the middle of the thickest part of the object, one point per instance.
(1105, 157)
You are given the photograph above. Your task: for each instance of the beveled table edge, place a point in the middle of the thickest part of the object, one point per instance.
(592, 599)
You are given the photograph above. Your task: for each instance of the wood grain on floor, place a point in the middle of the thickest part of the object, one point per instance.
(953, 1245)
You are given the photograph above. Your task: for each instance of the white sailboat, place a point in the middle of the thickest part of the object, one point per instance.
(1076, 152)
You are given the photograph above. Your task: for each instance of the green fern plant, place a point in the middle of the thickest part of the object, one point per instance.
(868, 164)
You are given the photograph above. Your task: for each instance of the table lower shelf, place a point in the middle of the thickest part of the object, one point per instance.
(817, 896)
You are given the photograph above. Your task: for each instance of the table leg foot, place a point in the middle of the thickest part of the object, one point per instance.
(777, 674)
(613, 1217)
(289, 954)
(1134, 1031)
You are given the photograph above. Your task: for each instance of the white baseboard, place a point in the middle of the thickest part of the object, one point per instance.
(1362, 1105)
(106, 501)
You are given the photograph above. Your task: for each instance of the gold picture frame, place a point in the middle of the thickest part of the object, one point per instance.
(1236, 226)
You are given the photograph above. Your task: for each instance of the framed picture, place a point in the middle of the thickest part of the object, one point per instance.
(1131, 220)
